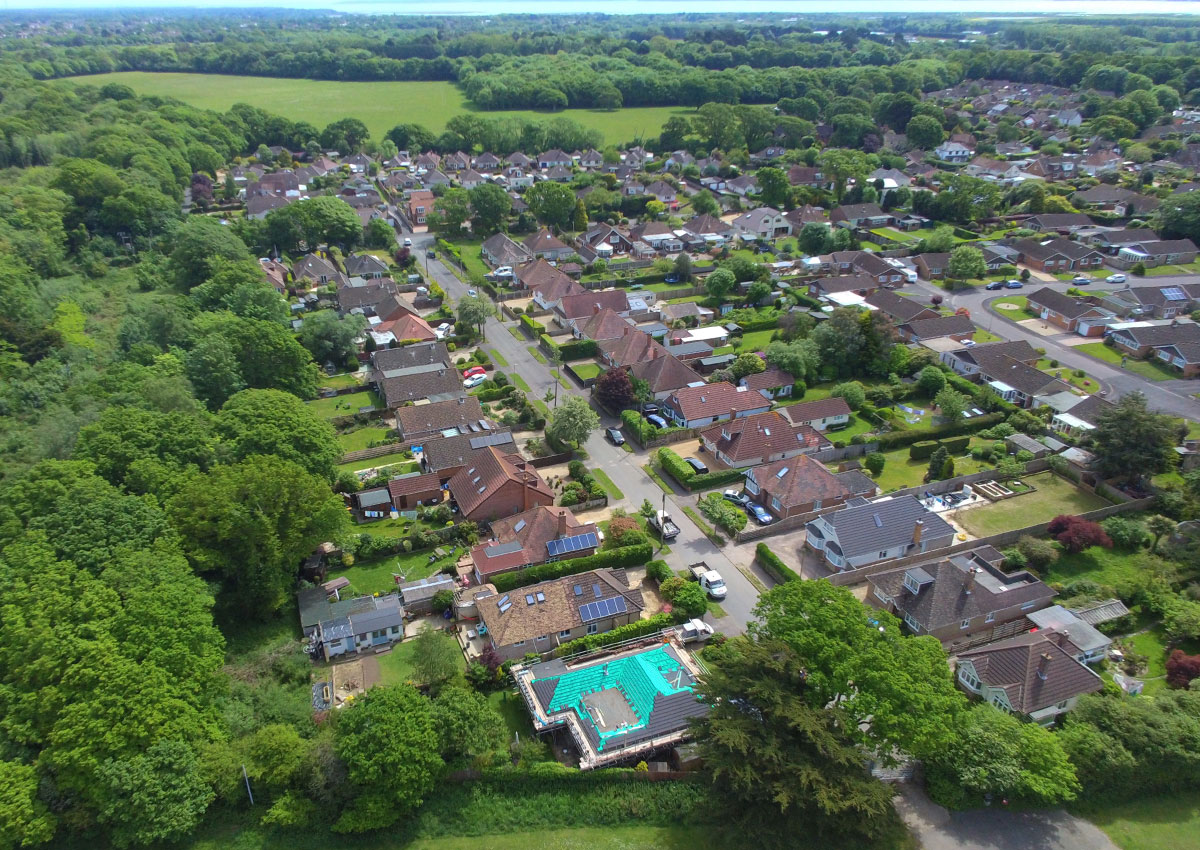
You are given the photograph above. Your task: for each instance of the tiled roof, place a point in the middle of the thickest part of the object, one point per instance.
(810, 411)
(532, 530)
(1157, 335)
(587, 303)
(543, 241)
(409, 485)
(714, 400)
(604, 324)
(769, 379)
(631, 348)
(665, 373)
(1034, 670)
(1060, 303)
(760, 436)
(558, 609)
(942, 326)
(490, 471)
(1022, 377)
(883, 524)
(901, 309)
(439, 416)
(800, 480)
(448, 452)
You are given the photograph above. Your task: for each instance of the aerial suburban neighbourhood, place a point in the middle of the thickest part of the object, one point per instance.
(600, 430)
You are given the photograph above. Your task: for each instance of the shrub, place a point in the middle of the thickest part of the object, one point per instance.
(534, 327)
(636, 629)
(1024, 456)
(578, 350)
(659, 571)
(1076, 533)
(1182, 669)
(956, 445)
(667, 589)
(725, 515)
(922, 450)
(442, 600)
(774, 566)
(1038, 553)
(716, 478)
(1124, 532)
(1015, 559)
(690, 601)
(626, 556)
(998, 432)
(875, 462)
(852, 392)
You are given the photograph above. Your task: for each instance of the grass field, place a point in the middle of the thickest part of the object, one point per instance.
(1152, 824)
(586, 371)
(357, 440)
(612, 489)
(754, 341)
(340, 382)
(1018, 314)
(1148, 369)
(376, 576)
(1054, 496)
(379, 105)
(344, 405)
(382, 460)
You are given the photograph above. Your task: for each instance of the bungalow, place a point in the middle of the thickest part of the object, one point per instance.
(801, 485)
(1183, 356)
(546, 245)
(932, 266)
(365, 266)
(1018, 382)
(957, 327)
(772, 383)
(898, 308)
(658, 235)
(457, 161)
(633, 346)
(665, 374)
(1140, 341)
(532, 537)
(860, 216)
(708, 228)
(803, 215)
(953, 152)
(1154, 252)
(498, 484)
(591, 159)
(355, 625)
(455, 416)
(743, 186)
(573, 310)
(600, 325)
(1035, 675)
(663, 192)
(1058, 255)
(1062, 310)
(411, 491)
(487, 162)
(762, 223)
(1115, 199)
(540, 617)
(969, 360)
(445, 456)
(962, 600)
(545, 282)
(1085, 642)
(858, 283)
(418, 595)
(823, 415)
(471, 179)
(315, 270)
(500, 250)
(276, 273)
(1161, 302)
(865, 533)
(1061, 223)
(758, 439)
(807, 176)
(1074, 416)
(554, 157)
(605, 240)
(696, 407)
(767, 154)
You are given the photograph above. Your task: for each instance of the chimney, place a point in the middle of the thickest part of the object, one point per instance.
(562, 523)
(595, 309)
(970, 583)
(1064, 638)
(918, 530)
(733, 413)
(1044, 665)
(525, 491)
(462, 400)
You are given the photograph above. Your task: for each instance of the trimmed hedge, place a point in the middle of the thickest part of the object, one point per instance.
(896, 439)
(535, 328)
(715, 479)
(957, 445)
(922, 449)
(759, 325)
(674, 465)
(627, 556)
(925, 448)
(578, 350)
(775, 568)
(629, 631)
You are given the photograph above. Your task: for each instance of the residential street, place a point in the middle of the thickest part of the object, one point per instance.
(624, 468)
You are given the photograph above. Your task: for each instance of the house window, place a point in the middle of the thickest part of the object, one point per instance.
(882, 597)
(968, 679)
(1027, 606)
(519, 643)
(883, 554)
(990, 617)
(965, 624)
(817, 505)
(593, 628)
(565, 633)
(395, 630)
(542, 637)
(776, 504)
(911, 622)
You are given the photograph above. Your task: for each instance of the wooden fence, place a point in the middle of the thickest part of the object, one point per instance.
(375, 451)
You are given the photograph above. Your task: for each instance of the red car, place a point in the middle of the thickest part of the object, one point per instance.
(474, 370)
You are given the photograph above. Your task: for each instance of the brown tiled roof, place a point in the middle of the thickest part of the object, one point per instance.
(604, 324)
(1022, 377)
(631, 348)
(761, 435)
(940, 327)
(1053, 247)
(809, 411)
(407, 327)
(491, 470)
(901, 309)
(560, 609)
(848, 283)
(799, 481)
(1060, 303)
(1034, 670)
(444, 383)
(438, 416)
(768, 380)
(446, 453)
(990, 352)
(587, 303)
(400, 487)
(542, 241)
(714, 400)
(665, 373)
(533, 529)
(548, 280)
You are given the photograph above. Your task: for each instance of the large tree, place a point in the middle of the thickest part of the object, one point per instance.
(572, 421)
(490, 206)
(781, 762)
(1131, 441)
(720, 283)
(390, 745)
(199, 246)
(1179, 217)
(614, 389)
(270, 422)
(552, 203)
(800, 357)
(773, 187)
(330, 338)
(450, 213)
(474, 310)
(966, 262)
(924, 132)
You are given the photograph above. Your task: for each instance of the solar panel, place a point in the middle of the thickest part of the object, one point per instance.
(602, 608)
(1172, 293)
(576, 543)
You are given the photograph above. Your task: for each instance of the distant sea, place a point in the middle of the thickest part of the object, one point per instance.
(485, 8)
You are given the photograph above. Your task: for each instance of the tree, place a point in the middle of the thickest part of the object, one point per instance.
(923, 132)
(475, 310)
(379, 234)
(966, 262)
(773, 187)
(812, 238)
(200, 245)
(840, 341)
(931, 381)
(467, 723)
(411, 137)
(842, 164)
(450, 213)
(1036, 552)
(994, 753)
(747, 363)
(674, 131)
(436, 659)
(852, 393)
(346, 136)
(703, 203)
(158, 795)
(252, 523)
(241, 288)
(24, 819)
(332, 339)
(757, 292)
(1131, 441)
(951, 404)
(214, 371)
(720, 283)
(614, 389)
(572, 421)
(1159, 525)
(389, 742)
(1076, 533)
(875, 462)
(941, 241)
(858, 658)
(552, 203)
(781, 764)
(683, 266)
(1182, 669)
(270, 422)
(937, 461)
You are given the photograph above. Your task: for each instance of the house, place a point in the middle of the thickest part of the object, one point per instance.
(801, 485)
(420, 204)
(1088, 644)
(417, 596)
(969, 360)
(957, 327)
(573, 310)
(355, 625)
(404, 328)
(500, 250)
(743, 185)
(540, 617)
(758, 439)
(772, 383)
(605, 240)
(664, 374)
(860, 284)
(962, 600)
(1035, 675)
(547, 283)
(1162, 302)
(259, 207)
(662, 192)
(414, 373)
(457, 416)
(763, 223)
(487, 163)
(823, 415)
(900, 309)
(412, 491)
(1018, 382)
(932, 266)
(1154, 252)
(546, 245)
(658, 235)
(1111, 241)
(670, 313)
(953, 152)
(708, 228)
(601, 324)
(445, 456)
(1062, 223)
(314, 270)
(365, 266)
(471, 179)
(1184, 356)
(767, 154)
(591, 159)
(497, 485)
(533, 537)
(696, 407)
(1074, 416)
(801, 175)
(806, 214)
(276, 273)
(1062, 310)
(883, 270)
(865, 533)
(551, 158)
(860, 216)
(1058, 255)
(1140, 341)
(1116, 199)
(632, 347)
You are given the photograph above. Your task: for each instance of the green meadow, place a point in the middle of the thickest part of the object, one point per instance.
(379, 105)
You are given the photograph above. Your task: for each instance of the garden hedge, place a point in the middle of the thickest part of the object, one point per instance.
(775, 568)
(636, 629)
(578, 350)
(922, 449)
(709, 480)
(534, 327)
(626, 556)
(925, 448)
(957, 445)
(675, 466)
(896, 439)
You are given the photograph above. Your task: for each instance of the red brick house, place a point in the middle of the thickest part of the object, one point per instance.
(498, 485)
(758, 439)
(801, 485)
(1063, 311)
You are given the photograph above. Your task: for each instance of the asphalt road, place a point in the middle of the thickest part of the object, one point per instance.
(1174, 397)
(624, 468)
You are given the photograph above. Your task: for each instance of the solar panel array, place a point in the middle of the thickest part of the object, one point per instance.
(603, 608)
(1172, 293)
(563, 545)
(502, 549)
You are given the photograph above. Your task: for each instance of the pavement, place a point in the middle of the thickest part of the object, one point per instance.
(936, 828)
(624, 468)
(1173, 397)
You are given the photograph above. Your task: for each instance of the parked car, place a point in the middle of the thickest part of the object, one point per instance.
(503, 271)
(760, 514)
(474, 381)
(1081, 279)
(473, 371)
(1014, 284)
(649, 408)
(472, 293)
(736, 497)
(696, 464)
(614, 434)
(443, 329)
(423, 290)
(656, 420)
(431, 254)
(994, 285)
(1115, 278)
(407, 242)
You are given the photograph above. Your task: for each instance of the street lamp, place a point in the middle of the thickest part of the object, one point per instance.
(662, 518)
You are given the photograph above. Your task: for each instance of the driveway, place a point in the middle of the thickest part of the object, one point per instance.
(935, 828)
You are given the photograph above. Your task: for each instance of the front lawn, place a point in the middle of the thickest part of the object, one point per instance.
(1054, 496)
(1080, 382)
(585, 371)
(1151, 370)
(1151, 823)
(376, 576)
(1016, 312)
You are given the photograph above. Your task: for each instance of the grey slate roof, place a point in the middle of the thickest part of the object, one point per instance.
(883, 524)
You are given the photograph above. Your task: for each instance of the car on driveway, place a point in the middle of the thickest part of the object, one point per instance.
(615, 435)
(994, 285)
(1115, 278)
(649, 408)
(656, 420)
(474, 381)
(1081, 279)
(422, 290)
(1014, 284)
(443, 329)
(696, 464)
(736, 497)
(760, 514)
(503, 271)
(473, 371)
(472, 293)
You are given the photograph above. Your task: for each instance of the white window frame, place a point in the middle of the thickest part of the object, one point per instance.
(593, 628)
